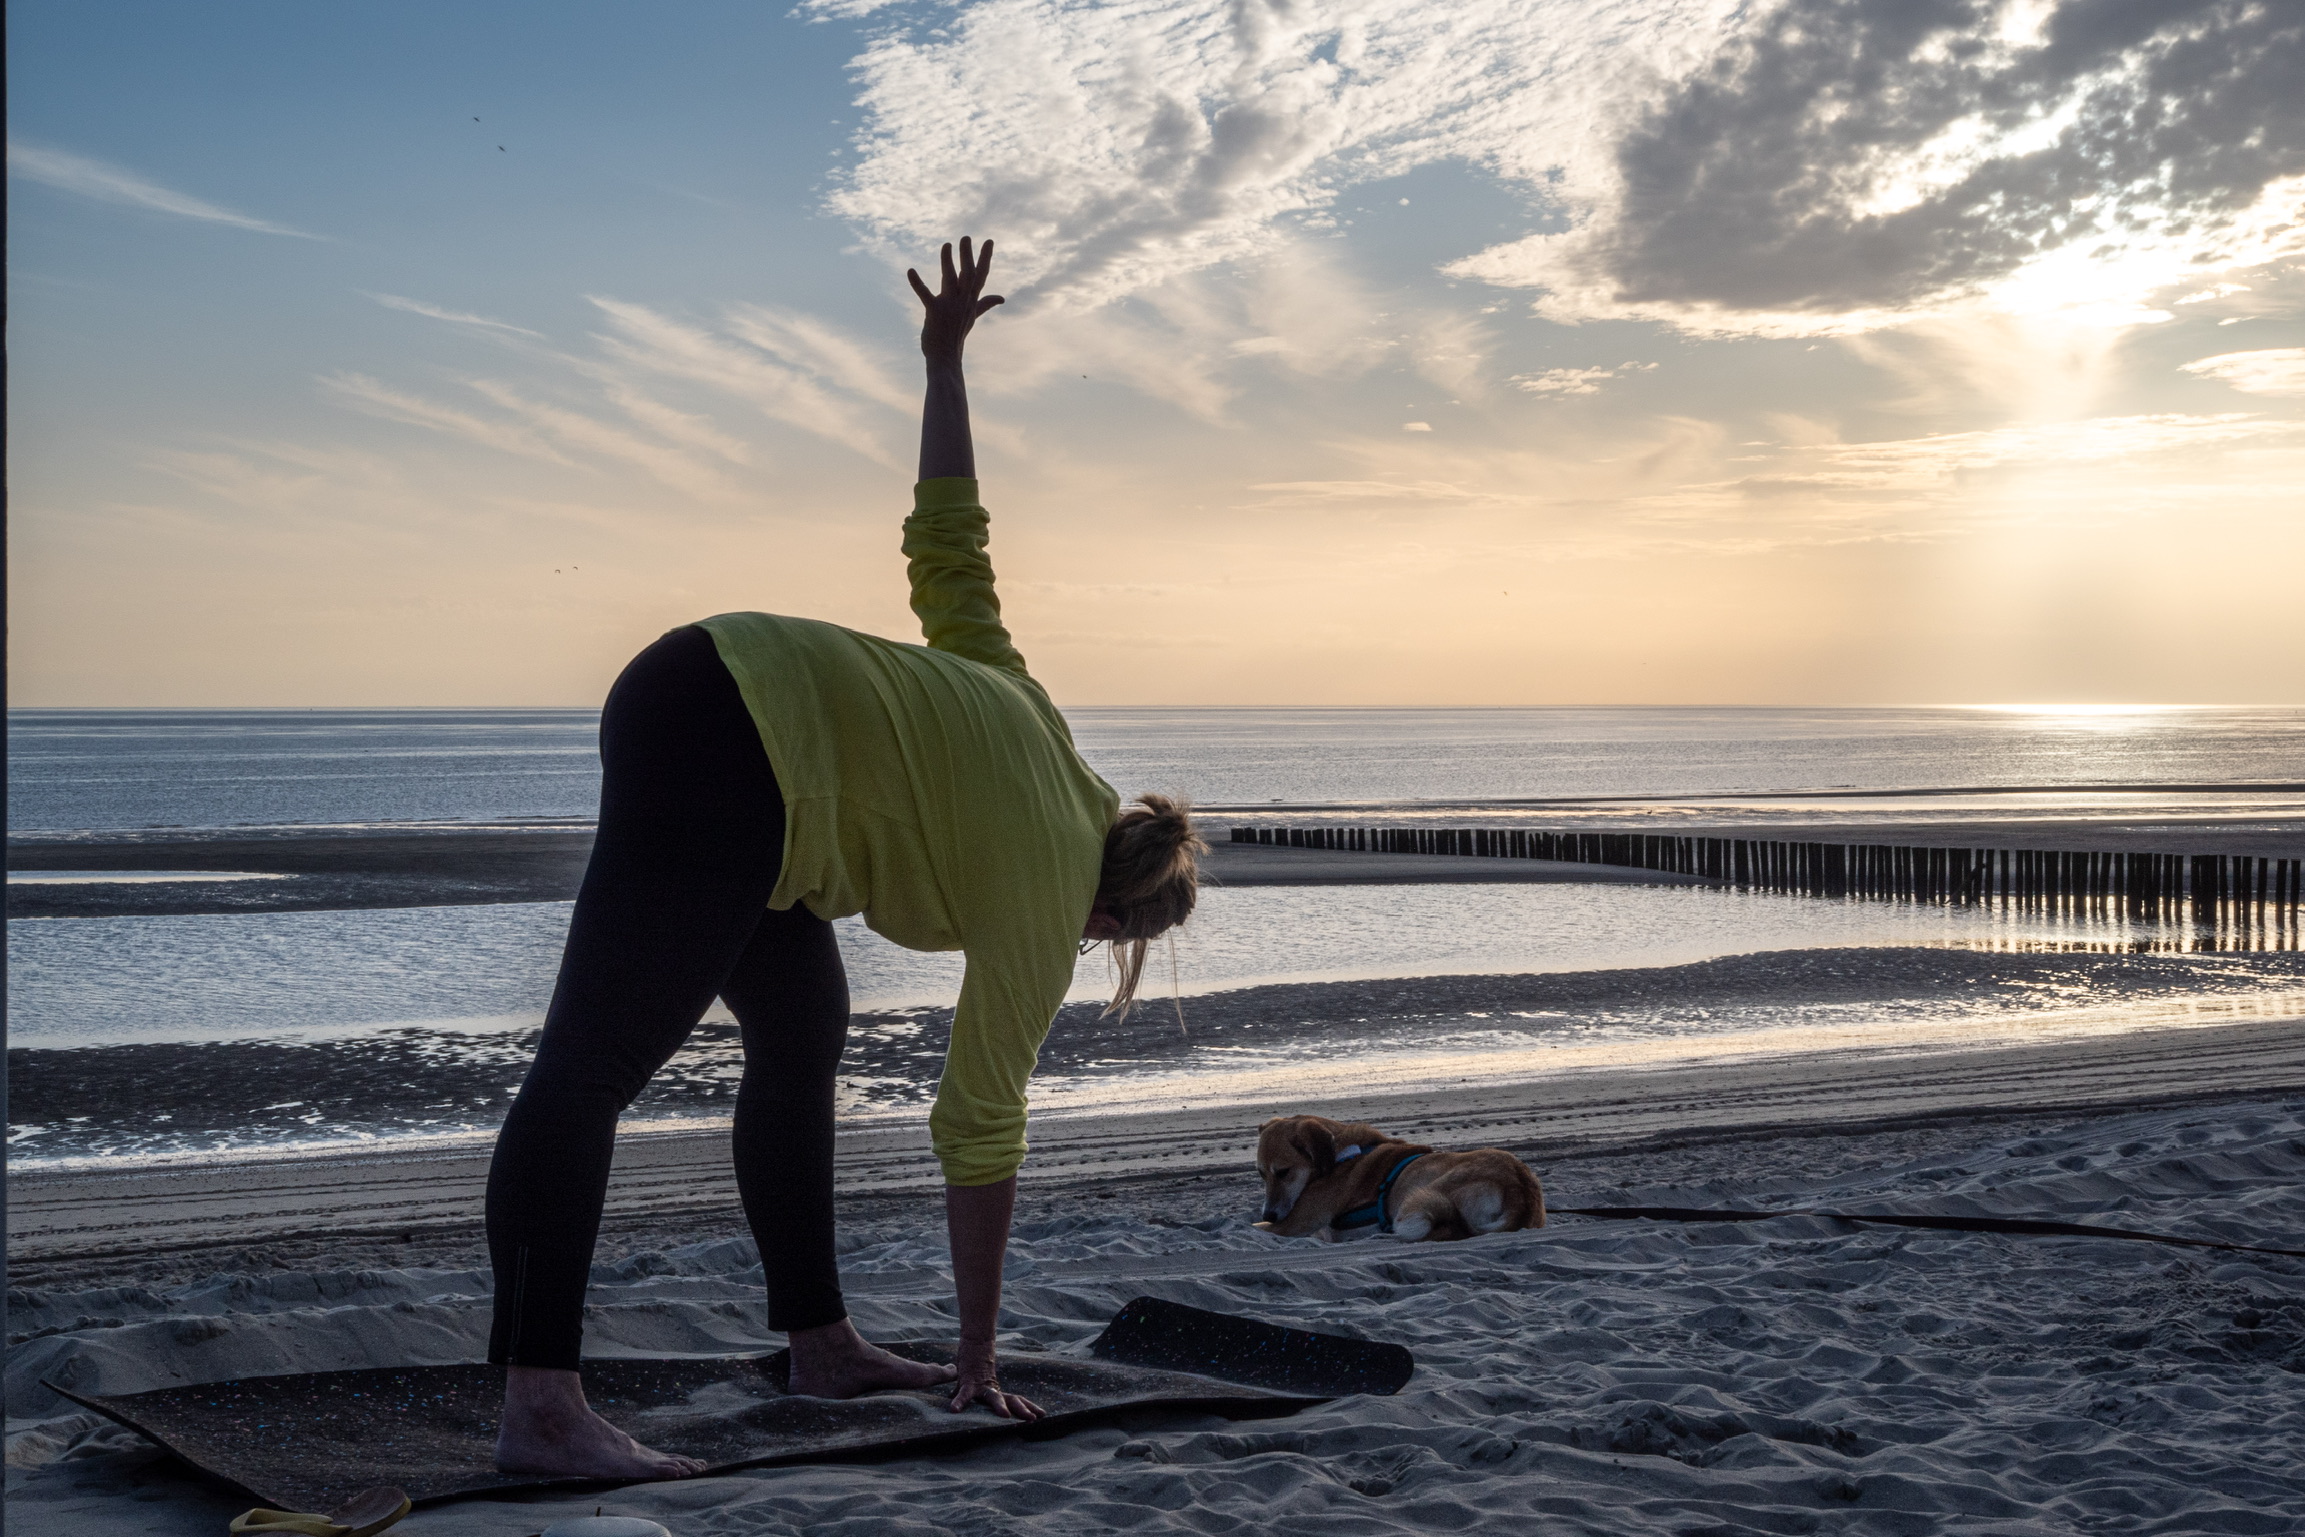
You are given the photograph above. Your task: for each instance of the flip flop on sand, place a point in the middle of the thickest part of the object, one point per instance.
(364, 1515)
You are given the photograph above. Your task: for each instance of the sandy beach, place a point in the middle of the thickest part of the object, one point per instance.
(1593, 1376)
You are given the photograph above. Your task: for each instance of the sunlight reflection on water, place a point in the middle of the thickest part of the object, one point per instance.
(89, 981)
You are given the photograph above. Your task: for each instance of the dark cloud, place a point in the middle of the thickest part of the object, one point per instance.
(1748, 186)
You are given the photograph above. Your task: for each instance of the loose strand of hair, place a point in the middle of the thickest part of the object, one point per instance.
(1177, 987)
(1127, 956)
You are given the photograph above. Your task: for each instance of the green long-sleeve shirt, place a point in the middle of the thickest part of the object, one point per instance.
(935, 789)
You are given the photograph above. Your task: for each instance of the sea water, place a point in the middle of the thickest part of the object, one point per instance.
(78, 770)
(79, 982)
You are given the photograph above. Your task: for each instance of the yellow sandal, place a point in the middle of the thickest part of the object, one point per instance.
(363, 1516)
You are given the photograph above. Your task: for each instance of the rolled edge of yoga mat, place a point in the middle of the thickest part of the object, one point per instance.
(1169, 1336)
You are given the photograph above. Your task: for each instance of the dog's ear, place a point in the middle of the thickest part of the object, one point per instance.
(1321, 1145)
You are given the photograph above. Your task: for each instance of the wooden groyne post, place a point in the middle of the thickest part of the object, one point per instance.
(2250, 902)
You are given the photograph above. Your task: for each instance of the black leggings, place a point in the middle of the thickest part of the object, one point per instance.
(673, 910)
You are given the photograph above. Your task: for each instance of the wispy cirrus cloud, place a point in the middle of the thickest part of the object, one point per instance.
(794, 370)
(1575, 381)
(453, 317)
(107, 183)
(1936, 460)
(2269, 371)
(1679, 484)
(375, 398)
(584, 434)
(608, 410)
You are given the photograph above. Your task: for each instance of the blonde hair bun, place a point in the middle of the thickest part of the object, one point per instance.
(1150, 881)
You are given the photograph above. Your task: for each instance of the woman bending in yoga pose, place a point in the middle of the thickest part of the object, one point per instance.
(762, 776)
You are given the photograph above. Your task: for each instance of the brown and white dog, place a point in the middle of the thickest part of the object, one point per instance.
(1330, 1179)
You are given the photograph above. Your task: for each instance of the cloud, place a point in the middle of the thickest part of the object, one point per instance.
(606, 410)
(792, 369)
(1115, 147)
(1907, 464)
(113, 184)
(1847, 163)
(588, 434)
(1198, 340)
(2274, 371)
(376, 399)
(1680, 485)
(1575, 381)
(690, 428)
(558, 435)
(1800, 167)
(454, 317)
(824, 351)
(1301, 492)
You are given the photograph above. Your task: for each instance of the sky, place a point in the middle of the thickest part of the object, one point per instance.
(1356, 352)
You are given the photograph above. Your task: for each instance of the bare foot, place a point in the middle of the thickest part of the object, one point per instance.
(549, 1428)
(837, 1362)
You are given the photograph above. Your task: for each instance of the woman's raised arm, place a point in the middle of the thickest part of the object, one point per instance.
(945, 446)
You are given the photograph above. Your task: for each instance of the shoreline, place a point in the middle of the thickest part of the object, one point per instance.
(413, 1089)
(354, 1210)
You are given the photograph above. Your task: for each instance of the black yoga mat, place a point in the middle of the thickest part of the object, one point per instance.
(312, 1440)
(2034, 1227)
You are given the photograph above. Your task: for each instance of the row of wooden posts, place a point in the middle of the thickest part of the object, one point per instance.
(2229, 891)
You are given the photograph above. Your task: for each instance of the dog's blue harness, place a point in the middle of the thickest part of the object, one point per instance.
(1376, 1211)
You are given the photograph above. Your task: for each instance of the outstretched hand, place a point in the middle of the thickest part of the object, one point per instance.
(953, 309)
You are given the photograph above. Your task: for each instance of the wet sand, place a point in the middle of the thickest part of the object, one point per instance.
(426, 867)
(336, 871)
(415, 1082)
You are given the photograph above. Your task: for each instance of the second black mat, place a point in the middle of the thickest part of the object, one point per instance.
(1169, 1336)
